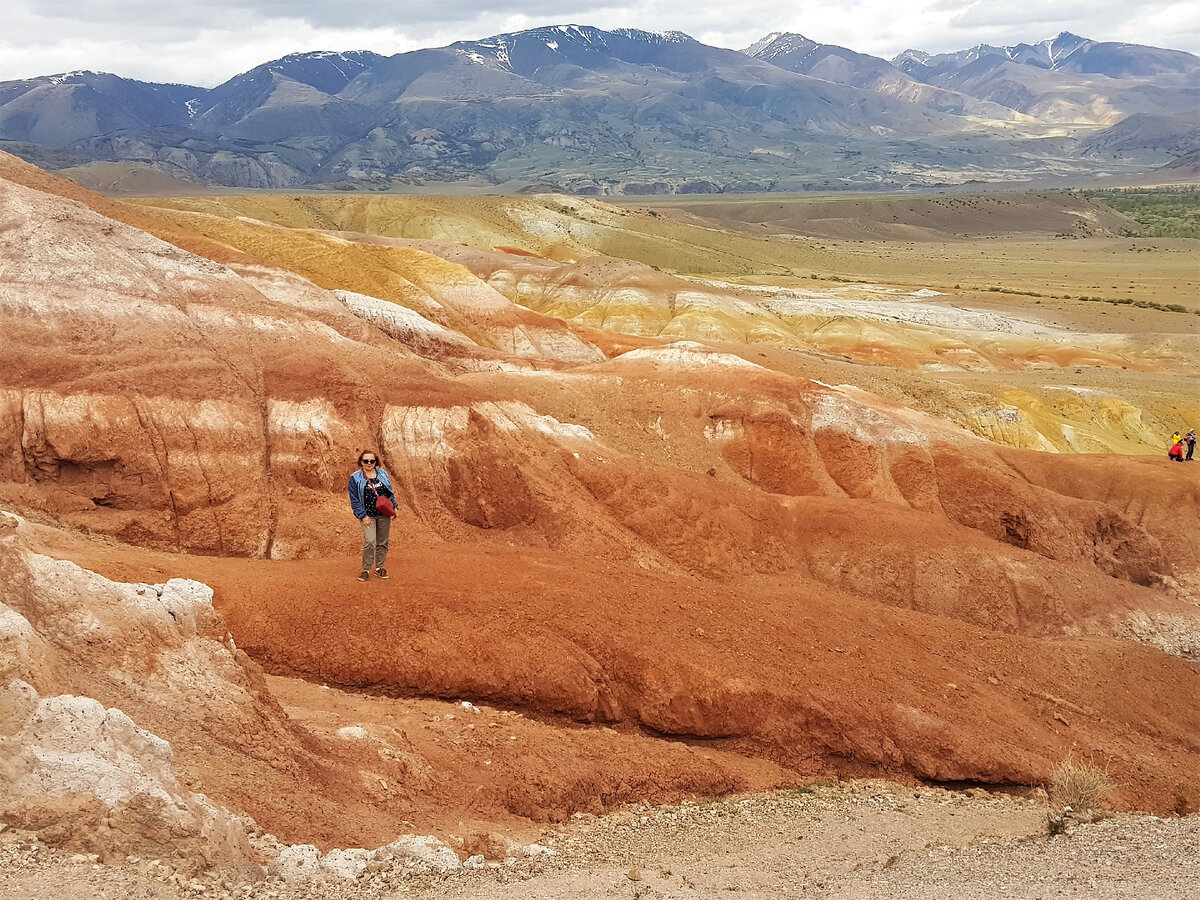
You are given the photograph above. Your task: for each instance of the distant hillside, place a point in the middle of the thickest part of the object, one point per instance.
(797, 53)
(1065, 53)
(56, 110)
(1068, 78)
(1186, 166)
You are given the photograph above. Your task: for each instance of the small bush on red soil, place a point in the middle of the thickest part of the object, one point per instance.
(1079, 785)
(1076, 792)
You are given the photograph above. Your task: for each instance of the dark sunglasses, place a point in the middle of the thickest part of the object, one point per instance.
(369, 462)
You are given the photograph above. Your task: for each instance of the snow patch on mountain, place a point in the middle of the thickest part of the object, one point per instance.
(784, 45)
(762, 43)
(1047, 54)
(70, 76)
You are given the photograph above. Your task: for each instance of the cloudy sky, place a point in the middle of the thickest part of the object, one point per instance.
(205, 42)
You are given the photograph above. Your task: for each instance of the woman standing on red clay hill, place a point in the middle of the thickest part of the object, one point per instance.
(368, 486)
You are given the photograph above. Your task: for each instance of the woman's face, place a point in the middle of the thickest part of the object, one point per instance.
(368, 462)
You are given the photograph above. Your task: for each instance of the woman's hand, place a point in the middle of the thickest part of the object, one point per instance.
(366, 520)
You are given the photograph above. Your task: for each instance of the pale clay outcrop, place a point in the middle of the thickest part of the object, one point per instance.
(403, 324)
(422, 850)
(421, 853)
(62, 753)
(299, 862)
(70, 745)
(306, 863)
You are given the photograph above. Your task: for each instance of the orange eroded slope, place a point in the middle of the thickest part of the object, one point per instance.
(649, 533)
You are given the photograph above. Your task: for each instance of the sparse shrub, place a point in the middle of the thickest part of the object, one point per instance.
(796, 793)
(1079, 785)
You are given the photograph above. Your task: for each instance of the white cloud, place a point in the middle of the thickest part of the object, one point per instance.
(207, 41)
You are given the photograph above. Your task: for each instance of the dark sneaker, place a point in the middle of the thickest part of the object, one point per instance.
(364, 575)
(382, 573)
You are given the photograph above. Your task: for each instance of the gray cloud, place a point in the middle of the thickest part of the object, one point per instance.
(317, 14)
(207, 41)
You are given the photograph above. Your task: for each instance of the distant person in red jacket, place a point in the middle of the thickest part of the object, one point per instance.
(1176, 451)
(1190, 442)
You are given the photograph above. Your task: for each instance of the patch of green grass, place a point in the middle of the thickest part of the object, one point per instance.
(719, 807)
(1159, 212)
(796, 793)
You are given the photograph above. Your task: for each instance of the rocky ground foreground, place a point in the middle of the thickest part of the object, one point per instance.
(855, 840)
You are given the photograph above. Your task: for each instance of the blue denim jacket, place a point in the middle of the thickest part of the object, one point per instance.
(357, 486)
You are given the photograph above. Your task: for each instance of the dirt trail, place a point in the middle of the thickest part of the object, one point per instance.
(854, 840)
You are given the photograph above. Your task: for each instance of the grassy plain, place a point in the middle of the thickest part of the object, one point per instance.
(1039, 249)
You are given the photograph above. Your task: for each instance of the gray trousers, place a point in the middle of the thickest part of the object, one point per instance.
(375, 542)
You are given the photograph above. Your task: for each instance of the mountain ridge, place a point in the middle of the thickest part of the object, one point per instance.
(588, 110)
(1065, 51)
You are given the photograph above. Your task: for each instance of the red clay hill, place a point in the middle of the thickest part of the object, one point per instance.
(658, 537)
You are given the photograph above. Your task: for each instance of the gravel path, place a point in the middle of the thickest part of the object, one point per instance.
(863, 840)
